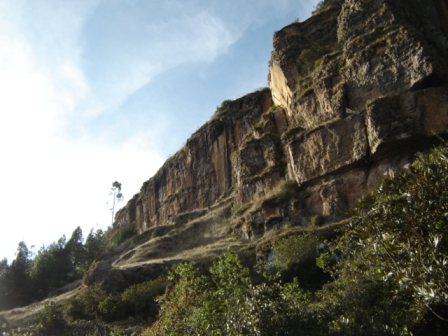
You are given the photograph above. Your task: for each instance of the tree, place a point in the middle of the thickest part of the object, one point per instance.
(51, 268)
(4, 284)
(76, 252)
(16, 279)
(96, 243)
(116, 194)
(399, 233)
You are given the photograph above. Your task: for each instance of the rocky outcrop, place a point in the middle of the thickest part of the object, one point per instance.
(201, 171)
(355, 91)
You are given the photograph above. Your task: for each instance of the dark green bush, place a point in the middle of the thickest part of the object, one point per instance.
(51, 319)
(111, 309)
(85, 305)
(141, 297)
(399, 232)
(294, 249)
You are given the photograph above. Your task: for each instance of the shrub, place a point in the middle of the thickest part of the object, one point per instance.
(294, 249)
(222, 109)
(351, 306)
(51, 319)
(295, 257)
(226, 303)
(399, 232)
(141, 296)
(111, 309)
(316, 221)
(85, 305)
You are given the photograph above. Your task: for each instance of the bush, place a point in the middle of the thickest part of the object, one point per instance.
(294, 249)
(226, 303)
(51, 319)
(85, 305)
(362, 307)
(141, 297)
(399, 232)
(111, 309)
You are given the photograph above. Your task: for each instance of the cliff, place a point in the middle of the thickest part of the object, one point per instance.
(355, 91)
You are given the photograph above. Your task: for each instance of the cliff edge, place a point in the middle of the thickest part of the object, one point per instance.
(355, 91)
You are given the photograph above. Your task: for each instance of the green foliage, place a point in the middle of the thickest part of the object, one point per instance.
(96, 243)
(15, 282)
(141, 296)
(226, 303)
(316, 221)
(51, 319)
(94, 303)
(308, 60)
(110, 309)
(399, 232)
(58, 264)
(77, 253)
(86, 305)
(362, 307)
(389, 271)
(295, 257)
(294, 249)
(54, 266)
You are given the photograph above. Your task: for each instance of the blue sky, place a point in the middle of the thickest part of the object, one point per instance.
(93, 91)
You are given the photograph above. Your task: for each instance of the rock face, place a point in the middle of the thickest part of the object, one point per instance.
(355, 91)
(200, 172)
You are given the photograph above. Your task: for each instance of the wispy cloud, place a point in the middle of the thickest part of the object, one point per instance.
(126, 54)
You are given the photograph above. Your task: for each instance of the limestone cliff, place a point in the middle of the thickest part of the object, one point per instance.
(355, 91)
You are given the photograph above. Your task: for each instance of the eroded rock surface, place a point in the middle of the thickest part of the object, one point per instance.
(355, 91)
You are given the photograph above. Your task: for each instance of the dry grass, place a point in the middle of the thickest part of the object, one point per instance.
(201, 238)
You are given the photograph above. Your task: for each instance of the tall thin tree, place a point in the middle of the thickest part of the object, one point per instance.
(116, 194)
